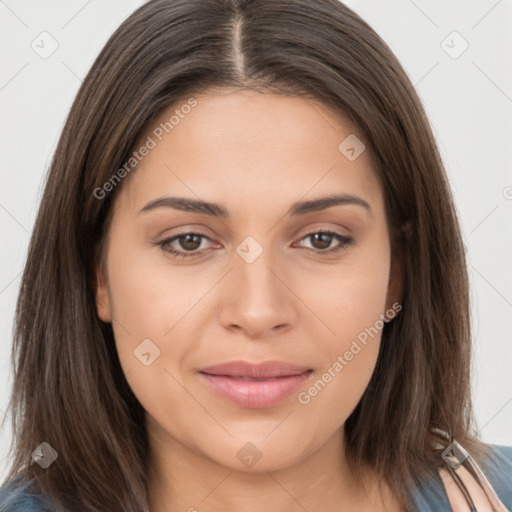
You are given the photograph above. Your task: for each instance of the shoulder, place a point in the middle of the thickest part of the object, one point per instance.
(431, 495)
(499, 472)
(17, 497)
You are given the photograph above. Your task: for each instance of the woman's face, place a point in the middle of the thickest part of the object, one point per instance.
(260, 282)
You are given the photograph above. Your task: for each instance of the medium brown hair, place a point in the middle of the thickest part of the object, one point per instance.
(69, 388)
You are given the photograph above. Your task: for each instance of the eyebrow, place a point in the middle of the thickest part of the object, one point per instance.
(216, 210)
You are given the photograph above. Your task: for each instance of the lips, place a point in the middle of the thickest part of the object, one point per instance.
(263, 370)
(254, 385)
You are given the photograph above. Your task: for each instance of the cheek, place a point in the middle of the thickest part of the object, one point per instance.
(151, 300)
(146, 293)
(143, 305)
(349, 298)
(351, 305)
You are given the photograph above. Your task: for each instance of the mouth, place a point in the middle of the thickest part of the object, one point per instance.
(254, 386)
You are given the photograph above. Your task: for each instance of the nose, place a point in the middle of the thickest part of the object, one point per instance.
(257, 298)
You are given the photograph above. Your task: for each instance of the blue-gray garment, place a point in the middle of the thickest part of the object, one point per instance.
(429, 497)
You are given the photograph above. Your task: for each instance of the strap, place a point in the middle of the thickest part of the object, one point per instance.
(466, 485)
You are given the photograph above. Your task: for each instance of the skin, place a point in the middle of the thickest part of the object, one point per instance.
(255, 154)
(456, 498)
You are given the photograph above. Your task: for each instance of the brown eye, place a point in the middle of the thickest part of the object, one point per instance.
(321, 241)
(190, 242)
(185, 245)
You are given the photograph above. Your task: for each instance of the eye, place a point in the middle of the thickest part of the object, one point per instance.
(188, 242)
(322, 241)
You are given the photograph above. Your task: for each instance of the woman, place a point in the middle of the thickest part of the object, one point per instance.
(246, 285)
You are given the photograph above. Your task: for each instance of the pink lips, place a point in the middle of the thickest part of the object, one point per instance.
(255, 385)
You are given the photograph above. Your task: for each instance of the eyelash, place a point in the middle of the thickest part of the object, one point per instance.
(346, 242)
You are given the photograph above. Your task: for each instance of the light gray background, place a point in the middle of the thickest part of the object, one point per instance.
(468, 100)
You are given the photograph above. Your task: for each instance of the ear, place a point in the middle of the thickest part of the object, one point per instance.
(102, 295)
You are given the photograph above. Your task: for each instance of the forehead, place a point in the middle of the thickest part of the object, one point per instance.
(241, 145)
